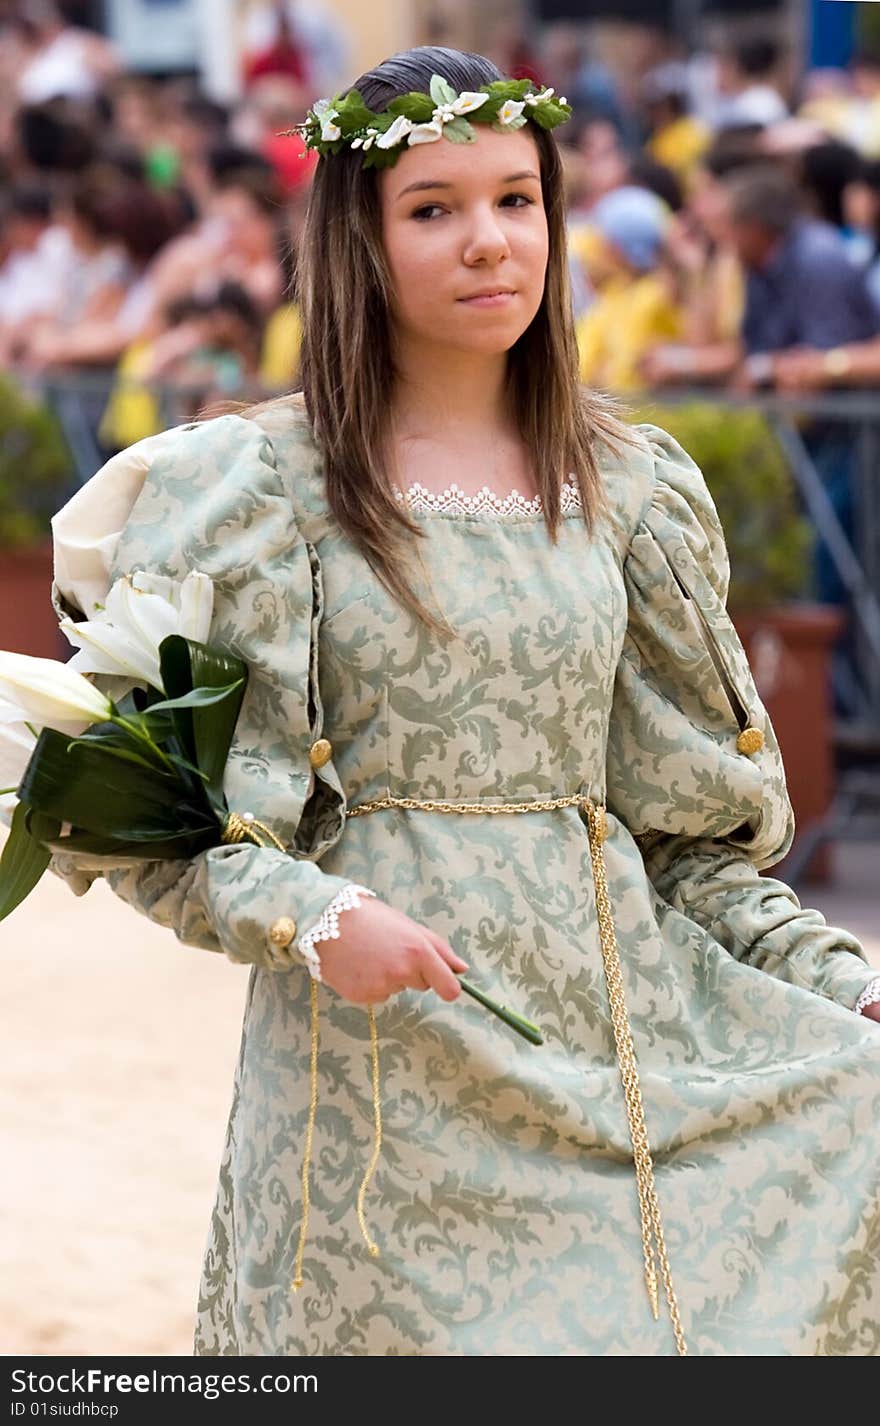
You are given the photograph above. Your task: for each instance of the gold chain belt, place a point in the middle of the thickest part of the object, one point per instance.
(649, 1207)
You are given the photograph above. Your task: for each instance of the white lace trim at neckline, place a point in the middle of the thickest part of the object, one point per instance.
(455, 501)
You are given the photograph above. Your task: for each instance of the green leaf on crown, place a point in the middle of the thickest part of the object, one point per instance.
(459, 131)
(352, 113)
(508, 89)
(441, 91)
(417, 107)
(550, 113)
(382, 158)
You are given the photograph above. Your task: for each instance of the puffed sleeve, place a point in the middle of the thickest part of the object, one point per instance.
(693, 767)
(208, 496)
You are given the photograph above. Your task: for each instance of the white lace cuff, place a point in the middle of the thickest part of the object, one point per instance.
(327, 928)
(869, 995)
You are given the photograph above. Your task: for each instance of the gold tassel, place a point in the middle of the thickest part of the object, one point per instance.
(377, 1135)
(240, 827)
(313, 1104)
(297, 1282)
(649, 1206)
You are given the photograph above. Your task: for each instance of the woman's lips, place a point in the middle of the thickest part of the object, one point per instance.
(496, 299)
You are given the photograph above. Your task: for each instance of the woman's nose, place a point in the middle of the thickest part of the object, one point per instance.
(487, 239)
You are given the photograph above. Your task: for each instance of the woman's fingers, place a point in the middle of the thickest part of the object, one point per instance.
(445, 950)
(437, 973)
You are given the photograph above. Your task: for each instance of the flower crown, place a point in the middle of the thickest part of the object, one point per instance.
(417, 118)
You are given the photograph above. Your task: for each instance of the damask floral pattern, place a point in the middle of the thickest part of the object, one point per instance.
(504, 1202)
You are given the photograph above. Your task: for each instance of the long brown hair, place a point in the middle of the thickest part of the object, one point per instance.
(347, 367)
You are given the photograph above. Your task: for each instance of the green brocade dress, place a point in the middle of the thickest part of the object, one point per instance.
(504, 1200)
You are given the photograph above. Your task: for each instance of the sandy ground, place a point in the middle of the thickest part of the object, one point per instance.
(119, 1051)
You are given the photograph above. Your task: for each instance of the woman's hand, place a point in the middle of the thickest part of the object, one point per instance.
(381, 951)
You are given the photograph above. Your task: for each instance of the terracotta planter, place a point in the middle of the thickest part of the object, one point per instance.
(28, 624)
(788, 647)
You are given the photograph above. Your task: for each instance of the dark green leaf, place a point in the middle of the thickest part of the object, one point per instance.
(180, 761)
(23, 862)
(188, 663)
(125, 753)
(184, 844)
(177, 681)
(82, 785)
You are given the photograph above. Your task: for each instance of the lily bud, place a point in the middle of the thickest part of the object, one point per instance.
(48, 693)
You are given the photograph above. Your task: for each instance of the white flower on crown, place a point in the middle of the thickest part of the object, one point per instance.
(510, 110)
(325, 113)
(425, 133)
(401, 127)
(366, 141)
(533, 99)
(465, 103)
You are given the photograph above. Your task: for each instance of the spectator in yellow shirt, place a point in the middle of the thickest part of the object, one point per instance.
(678, 139)
(637, 304)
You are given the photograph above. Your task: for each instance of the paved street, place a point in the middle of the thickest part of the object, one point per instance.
(119, 1051)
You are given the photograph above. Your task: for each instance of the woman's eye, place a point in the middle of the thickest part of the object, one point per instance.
(422, 214)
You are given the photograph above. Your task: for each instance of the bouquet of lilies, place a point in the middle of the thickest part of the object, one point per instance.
(140, 777)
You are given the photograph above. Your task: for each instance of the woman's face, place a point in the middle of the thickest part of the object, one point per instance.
(708, 204)
(240, 219)
(474, 222)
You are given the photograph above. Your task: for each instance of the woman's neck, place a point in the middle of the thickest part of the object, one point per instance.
(442, 393)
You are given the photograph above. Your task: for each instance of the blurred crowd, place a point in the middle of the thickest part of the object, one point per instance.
(724, 211)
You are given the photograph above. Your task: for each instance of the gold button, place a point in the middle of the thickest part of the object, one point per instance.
(320, 752)
(750, 740)
(282, 931)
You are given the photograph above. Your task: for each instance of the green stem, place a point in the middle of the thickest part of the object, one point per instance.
(519, 1023)
(135, 732)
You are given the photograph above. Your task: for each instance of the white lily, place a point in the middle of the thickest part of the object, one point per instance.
(141, 609)
(425, 133)
(49, 694)
(510, 110)
(17, 743)
(399, 130)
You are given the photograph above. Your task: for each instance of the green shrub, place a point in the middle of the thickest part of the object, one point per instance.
(769, 541)
(35, 467)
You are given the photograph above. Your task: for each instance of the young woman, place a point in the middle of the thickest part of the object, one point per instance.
(499, 724)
